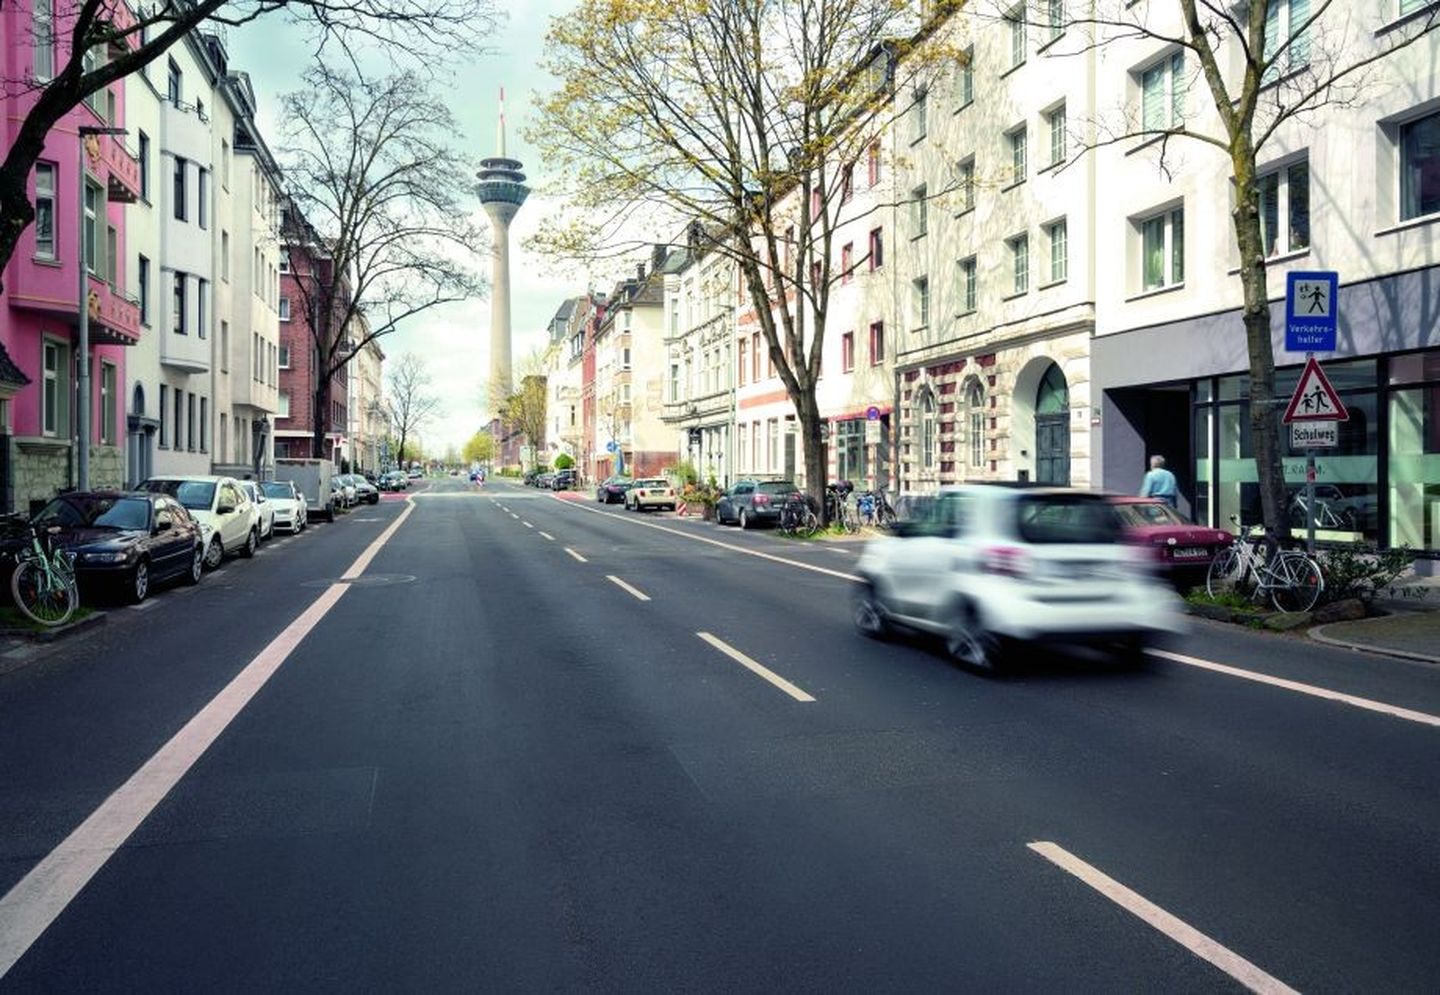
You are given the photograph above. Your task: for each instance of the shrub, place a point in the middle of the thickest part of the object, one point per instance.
(563, 462)
(1358, 570)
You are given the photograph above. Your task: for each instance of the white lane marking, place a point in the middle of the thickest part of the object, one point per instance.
(713, 542)
(755, 667)
(639, 595)
(1178, 930)
(37, 900)
(547, 535)
(358, 567)
(1368, 704)
(513, 515)
(576, 555)
(527, 525)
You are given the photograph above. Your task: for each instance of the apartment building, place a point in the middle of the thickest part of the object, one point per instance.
(369, 418)
(304, 267)
(700, 306)
(1353, 188)
(73, 259)
(563, 372)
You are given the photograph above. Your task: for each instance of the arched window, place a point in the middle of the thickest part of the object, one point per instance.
(975, 403)
(927, 430)
(137, 400)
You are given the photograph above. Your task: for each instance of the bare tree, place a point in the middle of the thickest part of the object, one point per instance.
(378, 230)
(743, 120)
(107, 42)
(411, 402)
(525, 410)
(1260, 71)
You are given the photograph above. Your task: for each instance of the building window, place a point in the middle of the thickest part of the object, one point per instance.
(1282, 17)
(225, 256)
(872, 162)
(968, 288)
(190, 435)
(920, 111)
(94, 197)
(965, 78)
(224, 346)
(284, 261)
(224, 164)
(1059, 237)
(625, 358)
(1162, 249)
(112, 256)
(202, 296)
(284, 309)
(173, 85)
(975, 402)
(1420, 167)
(283, 405)
(179, 191)
(920, 210)
(927, 430)
(1016, 20)
(742, 354)
(202, 193)
(55, 394)
(774, 433)
(847, 182)
(204, 424)
(847, 352)
(1055, 18)
(965, 184)
(877, 248)
(144, 140)
(177, 316)
(164, 413)
(44, 29)
(755, 357)
(45, 210)
(284, 360)
(179, 419)
(1019, 263)
(877, 342)
(1285, 194)
(1056, 118)
(107, 404)
(142, 280)
(847, 261)
(920, 291)
(1016, 140)
(1162, 93)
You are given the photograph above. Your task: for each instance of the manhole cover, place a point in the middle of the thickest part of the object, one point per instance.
(364, 580)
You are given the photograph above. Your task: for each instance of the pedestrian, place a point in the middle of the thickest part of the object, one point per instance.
(1160, 483)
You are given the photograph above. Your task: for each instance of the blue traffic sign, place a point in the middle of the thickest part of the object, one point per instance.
(610, 446)
(1311, 311)
(872, 413)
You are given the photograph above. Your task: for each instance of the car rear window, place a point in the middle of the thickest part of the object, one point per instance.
(654, 482)
(1067, 518)
(776, 487)
(197, 495)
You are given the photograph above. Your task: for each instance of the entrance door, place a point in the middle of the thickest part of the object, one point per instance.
(1052, 429)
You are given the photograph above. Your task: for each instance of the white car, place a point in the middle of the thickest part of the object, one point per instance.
(290, 507)
(650, 492)
(989, 567)
(344, 490)
(256, 493)
(229, 519)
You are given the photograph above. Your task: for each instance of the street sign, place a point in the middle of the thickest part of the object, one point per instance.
(1311, 311)
(872, 413)
(872, 433)
(1314, 399)
(611, 447)
(1315, 435)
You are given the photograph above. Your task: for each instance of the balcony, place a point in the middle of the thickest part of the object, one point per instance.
(114, 316)
(122, 170)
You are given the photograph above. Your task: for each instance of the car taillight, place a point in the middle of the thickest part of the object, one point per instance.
(1006, 561)
(761, 500)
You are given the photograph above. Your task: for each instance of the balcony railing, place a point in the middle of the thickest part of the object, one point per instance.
(114, 315)
(121, 168)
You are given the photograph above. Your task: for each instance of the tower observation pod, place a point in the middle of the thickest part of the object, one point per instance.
(501, 191)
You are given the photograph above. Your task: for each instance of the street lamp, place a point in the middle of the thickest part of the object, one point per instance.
(82, 465)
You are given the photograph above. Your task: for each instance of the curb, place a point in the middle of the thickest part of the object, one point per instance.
(59, 632)
(1317, 634)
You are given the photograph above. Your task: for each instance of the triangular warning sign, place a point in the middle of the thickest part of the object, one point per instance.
(1314, 399)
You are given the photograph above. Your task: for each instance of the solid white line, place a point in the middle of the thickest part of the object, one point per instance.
(1181, 932)
(29, 908)
(756, 668)
(547, 535)
(1368, 704)
(639, 595)
(576, 555)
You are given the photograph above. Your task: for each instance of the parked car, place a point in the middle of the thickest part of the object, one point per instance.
(341, 493)
(564, 480)
(413, 475)
(126, 541)
(393, 480)
(229, 519)
(288, 504)
(544, 480)
(262, 506)
(754, 502)
(365, 492)
(991, 566)
(612, 489)
(1181, 550)
(650, 492)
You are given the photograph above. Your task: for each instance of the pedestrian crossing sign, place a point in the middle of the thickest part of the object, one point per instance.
(1314, 398)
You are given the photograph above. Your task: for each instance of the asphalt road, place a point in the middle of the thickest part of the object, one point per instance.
(520, 749)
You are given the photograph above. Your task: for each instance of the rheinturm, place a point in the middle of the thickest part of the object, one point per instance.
(501, 190)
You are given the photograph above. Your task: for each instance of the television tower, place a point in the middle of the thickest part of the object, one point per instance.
(501, 191)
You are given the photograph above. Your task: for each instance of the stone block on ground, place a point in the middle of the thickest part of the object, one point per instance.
(1288, 621)
(1347, 610)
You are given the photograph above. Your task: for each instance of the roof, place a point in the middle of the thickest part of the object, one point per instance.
(9, 372)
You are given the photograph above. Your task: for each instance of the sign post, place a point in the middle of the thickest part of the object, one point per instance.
(1311, 318)
(1313, 414)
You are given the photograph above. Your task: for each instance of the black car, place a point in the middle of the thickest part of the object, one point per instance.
(613, 489)
(754, 502)
(126, 540)
(564, 480)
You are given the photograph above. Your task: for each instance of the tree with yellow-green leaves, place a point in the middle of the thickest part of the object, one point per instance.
(524, 412)
(739, 122)
(479, 448)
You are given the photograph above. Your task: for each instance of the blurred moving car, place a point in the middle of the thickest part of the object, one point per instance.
(650, 492)
(288, 505)
(992, 566)
(754, 502)
(256, 493)
(414, 475)
(1182, 550)
(127, 541)
(612, 489)
(228, 518)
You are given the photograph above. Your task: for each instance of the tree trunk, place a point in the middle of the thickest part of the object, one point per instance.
(321, 421)
(807, 414)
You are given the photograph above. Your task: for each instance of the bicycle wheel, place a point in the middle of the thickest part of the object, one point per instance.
(1226, 572)
(44, 596)
(1296, 583)
(809, 523)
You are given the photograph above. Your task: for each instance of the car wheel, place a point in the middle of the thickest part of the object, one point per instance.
(970, 645)
(138, 586)
(215, 553)
(252, 542)
(744, 519)
(197, 565)
(867, 612)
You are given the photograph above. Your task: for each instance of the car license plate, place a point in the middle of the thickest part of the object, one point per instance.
(1190, 553)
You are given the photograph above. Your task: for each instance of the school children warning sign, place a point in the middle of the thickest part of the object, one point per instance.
(1314, 398)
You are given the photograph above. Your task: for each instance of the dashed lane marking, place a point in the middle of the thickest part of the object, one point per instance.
(755, 667)
(547, 535)
(576, 555)
(639, 595)
(527, 525)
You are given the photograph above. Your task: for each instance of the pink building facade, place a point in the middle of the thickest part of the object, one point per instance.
(80, 186)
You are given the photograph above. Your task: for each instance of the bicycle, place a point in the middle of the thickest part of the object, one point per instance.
(797, 518)
(1292, 579)
(874, 510)
(43, 584)
(839, 512)
(1325, 516)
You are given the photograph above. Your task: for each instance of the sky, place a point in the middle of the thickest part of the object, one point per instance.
(454, 339)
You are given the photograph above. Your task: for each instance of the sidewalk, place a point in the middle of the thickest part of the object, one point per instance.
(1410, 630)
